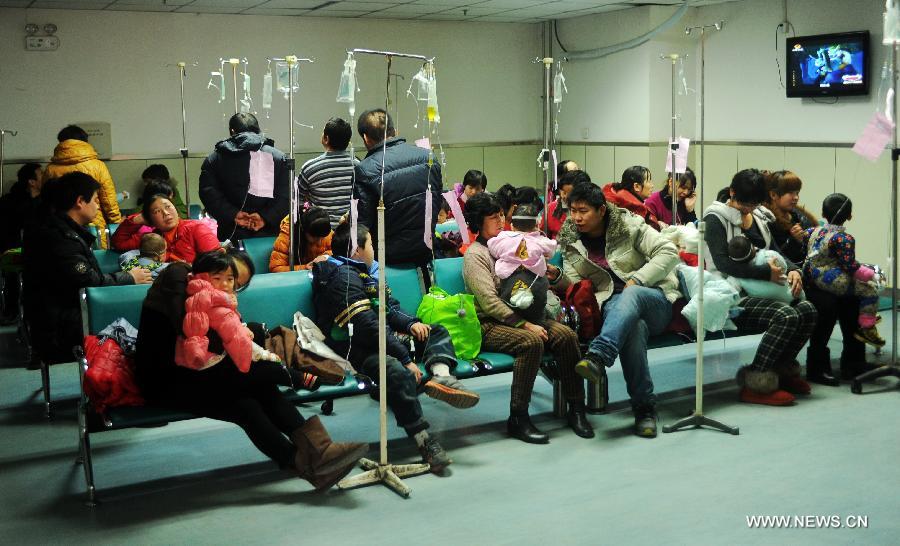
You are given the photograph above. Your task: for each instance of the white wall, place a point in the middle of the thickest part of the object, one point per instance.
(626, 96)
(111, 67)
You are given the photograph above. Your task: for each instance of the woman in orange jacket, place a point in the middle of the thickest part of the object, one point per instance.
(73, 153)
(312, 241)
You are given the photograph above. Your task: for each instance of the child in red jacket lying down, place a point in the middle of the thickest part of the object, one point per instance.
(212, 326)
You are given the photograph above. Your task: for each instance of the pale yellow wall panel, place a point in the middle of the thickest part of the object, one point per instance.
(816, 168)
(572, 152)
(629, 156)
(126, 176)
(599, 162)
(721, 164)
(516, 165)
(868, 185)
(461, 160)
(764, 158)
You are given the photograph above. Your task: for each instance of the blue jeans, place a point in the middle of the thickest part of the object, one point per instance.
(629, 318)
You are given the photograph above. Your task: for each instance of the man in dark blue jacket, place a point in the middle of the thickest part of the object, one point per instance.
(243, 209)
(411, 175)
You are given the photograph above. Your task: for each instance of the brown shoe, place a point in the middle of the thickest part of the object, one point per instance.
(319, 460)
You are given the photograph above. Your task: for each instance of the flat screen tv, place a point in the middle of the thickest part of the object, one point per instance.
(828, 65)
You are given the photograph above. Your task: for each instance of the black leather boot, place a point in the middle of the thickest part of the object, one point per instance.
(578, 420)
(818, 367)
(519, 426)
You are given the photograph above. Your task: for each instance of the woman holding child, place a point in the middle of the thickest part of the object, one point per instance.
(185, 239)
(774, 376)
(504, 330)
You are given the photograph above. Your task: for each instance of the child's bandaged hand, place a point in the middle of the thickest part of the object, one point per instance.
(260, 353)
(864, 274)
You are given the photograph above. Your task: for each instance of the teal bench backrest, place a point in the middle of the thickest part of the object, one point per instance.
(448, 275)
(260, 250)
(405, 286)
(273, 298)
(194, 212)
(112, 228)
(108, 260)
(105, 304)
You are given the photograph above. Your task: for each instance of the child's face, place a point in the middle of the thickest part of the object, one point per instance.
(442, 216)
(366, 253)
(471, 191)
(223, 280)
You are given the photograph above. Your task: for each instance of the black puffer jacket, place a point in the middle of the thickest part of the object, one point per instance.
(344, 292)
(406, 179)
(17, 208)
(58, 262)
(225, 181)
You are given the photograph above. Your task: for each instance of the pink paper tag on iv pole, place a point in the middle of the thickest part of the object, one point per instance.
(681, 155)
(424, 143)
(555, 171)
(428, 233)
(874, 137)
(354, 215)
(450, 197)
(262, 174)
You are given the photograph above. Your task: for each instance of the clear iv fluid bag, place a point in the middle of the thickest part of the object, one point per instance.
(559, 87)
(891, 22)
(285, 75)
(433, 114)
(267, 92)
(347, 87)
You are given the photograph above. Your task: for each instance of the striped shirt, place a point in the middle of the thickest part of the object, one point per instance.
(326, 181)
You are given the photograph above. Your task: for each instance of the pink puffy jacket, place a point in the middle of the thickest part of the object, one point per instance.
(208, 307)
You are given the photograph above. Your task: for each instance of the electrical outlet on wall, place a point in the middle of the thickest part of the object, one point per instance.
(41, 43)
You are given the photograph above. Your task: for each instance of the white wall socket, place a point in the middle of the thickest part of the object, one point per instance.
(41, 43)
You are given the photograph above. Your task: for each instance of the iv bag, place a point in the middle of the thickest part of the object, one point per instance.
(433, 114)
(220, 87)
(347, 87)
(559, 87)
(267, 91)
(891, 22)
(284, 75)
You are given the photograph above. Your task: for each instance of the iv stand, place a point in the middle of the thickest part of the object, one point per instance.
(673, 141)
(891, 369)
(698, 419)
(544, 158)
(184, 149)
(3, 133)
(383, 471)
(291, 60)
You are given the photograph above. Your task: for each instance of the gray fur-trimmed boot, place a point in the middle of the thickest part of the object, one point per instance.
(761, 387)
(790, 380)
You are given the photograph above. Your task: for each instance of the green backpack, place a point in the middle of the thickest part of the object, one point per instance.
(457, 314)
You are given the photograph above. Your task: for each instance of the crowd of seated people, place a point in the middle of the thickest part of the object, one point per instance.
(616, 240)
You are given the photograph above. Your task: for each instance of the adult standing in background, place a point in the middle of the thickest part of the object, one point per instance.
(245, 206)
(74, 153)
(327, 181)
(17, 208)
(410, 177)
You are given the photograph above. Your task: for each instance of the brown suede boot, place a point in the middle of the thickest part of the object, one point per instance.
(761, 387)
(319, 460)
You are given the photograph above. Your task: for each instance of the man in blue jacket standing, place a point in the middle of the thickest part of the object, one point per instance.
(411, 175)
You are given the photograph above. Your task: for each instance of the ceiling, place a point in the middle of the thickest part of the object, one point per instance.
(504, 11)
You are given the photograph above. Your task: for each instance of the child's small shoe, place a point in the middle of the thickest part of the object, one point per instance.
(870, 336)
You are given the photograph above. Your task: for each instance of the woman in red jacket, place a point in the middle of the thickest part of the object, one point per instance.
(185, 239)
(635, 187)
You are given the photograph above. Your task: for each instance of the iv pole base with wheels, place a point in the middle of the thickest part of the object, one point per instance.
(697, 419)
(890, 370)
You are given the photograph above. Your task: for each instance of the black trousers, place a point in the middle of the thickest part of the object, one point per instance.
(832, 309)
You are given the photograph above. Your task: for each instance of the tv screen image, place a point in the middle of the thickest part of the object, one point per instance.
(828, 65)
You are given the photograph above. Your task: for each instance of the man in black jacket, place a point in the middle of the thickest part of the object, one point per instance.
(245, 208)
(59, 261)
(411, 175)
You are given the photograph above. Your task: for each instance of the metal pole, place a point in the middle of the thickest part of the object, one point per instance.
(184, 148)
(548, 65)
(894, 214)
(2, 138)
(234, 64)
(291, 61)
(673, 145)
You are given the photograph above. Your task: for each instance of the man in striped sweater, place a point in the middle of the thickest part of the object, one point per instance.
(327, 181)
